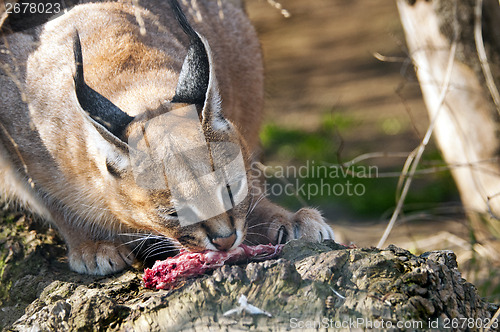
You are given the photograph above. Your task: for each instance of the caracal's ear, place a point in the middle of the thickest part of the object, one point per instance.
(108, 143)
(197, 82)
(108, 119)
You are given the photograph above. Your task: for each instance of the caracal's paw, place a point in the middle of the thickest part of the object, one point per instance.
(101, 257)
(307, 224)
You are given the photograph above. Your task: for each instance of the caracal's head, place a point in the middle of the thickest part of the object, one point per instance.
(181, 170)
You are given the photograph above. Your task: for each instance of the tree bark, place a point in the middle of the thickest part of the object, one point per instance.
(460, 89)
(310, 286)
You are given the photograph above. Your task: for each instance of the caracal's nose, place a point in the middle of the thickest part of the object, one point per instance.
(224, 243)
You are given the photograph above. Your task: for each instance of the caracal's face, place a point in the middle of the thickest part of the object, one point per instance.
(184, 179)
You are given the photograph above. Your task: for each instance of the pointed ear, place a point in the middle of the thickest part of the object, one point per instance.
(102, 111)
(197, 81)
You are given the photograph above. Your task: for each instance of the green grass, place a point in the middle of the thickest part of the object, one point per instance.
(370, 195)
(283, 144)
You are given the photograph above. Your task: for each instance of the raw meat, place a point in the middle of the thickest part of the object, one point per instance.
(168, 273)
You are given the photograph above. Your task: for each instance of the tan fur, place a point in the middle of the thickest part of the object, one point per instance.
(53, 159)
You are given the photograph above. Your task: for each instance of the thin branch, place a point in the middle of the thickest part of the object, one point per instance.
(406, 61)
(414, 161)
(19, 155)
(488, 204)
(399, 92)
(4, 14)
(430, 170)
(221, 12)
(3, 17)
(279, 6)
(11, 73)
(404, 174)
(481, 52)
(493, 320)
(138, 17)
(385, 58)
(372, 155)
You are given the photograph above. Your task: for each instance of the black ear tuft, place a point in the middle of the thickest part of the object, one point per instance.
(100, 109)
(194, 77)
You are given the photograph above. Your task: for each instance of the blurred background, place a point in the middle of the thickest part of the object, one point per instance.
(339, 86)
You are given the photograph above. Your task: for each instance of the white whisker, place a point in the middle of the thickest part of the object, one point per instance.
(252, 207)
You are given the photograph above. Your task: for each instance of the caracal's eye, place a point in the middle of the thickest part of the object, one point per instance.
(168, 213)
(113, 169)
(282, 236)
(238, 190)
(116, 164)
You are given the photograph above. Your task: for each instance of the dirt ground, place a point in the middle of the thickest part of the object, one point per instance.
(322, 57)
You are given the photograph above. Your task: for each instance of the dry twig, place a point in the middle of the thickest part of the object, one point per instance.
(415, 157)
(279, 6)
(481, 52)
(493, 319)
